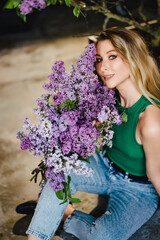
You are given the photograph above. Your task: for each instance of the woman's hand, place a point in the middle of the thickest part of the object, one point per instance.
(150, 138)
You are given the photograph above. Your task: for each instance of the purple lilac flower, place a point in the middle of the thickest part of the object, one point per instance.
(73, 130)
(50, 174)
(69, 118)
(53, 115)
(104, 114)
(110, 134)
(84, 152)
(20, 135)
(26, 5)
(41, 3)
(55, 179)
(25, 143)
(91, 148)
(83, 87)
(57, 78)
(66, 147)
(56, 186)
(55, 129)
(54, 159)
(87, 134)
(62, 126)
(85, 62)
(41, 103)
(76, 145)
(117, 119)
(57, 98)
(71, 95)
(58, 67)
(65, 137)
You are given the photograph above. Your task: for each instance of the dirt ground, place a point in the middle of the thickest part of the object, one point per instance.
(23, 70)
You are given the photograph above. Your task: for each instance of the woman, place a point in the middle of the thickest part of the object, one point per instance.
(129, 172)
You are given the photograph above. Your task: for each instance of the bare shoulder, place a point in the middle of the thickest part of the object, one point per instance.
(150, 121)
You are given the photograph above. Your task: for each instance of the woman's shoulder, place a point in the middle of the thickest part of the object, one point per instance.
(150, 121)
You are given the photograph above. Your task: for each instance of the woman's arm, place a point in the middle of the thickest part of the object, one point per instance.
(150, 138)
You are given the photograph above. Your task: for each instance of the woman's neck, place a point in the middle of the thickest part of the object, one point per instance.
(129, 95)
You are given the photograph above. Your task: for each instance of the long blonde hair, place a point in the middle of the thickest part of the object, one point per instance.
(143, 68)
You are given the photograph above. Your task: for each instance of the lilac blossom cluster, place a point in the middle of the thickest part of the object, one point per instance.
(73, 114)
(26, 6)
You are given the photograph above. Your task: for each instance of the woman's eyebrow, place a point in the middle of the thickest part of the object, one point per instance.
(111, 51)
(106, 52)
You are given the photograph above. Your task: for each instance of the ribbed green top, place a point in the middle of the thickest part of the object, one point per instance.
(126, 152)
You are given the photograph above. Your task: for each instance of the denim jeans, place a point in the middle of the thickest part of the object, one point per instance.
(130, 205)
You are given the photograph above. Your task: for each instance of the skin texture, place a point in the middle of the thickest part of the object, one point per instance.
(115, 73)
(68, 212)
(31, 237)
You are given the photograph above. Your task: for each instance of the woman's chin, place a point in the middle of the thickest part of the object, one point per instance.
(109, 85)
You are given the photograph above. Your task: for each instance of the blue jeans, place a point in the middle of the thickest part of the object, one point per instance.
(130, 205)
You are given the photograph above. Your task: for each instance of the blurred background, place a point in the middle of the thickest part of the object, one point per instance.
(27, 53)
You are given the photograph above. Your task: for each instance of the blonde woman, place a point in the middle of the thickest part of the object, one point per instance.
(129, 172)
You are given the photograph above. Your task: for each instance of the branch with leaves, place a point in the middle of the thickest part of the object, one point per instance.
(100, 6)
(29, 5)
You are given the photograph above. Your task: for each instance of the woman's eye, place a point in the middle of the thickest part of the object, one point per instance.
(98, 60)
(112, 57)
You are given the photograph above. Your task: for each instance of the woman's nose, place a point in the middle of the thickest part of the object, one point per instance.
(104, 66)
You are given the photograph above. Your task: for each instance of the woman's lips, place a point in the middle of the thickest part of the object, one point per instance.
(107, 77)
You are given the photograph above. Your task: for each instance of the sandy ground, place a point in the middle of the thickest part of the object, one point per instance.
(23, 70)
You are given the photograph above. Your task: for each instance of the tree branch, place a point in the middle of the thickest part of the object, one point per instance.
(110, 15)
(106, 20)
(140, 11)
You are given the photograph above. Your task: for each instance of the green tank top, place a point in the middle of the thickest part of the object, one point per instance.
(126, 152)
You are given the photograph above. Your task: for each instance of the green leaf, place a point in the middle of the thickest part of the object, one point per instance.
(51, 2)
(60, 194)
(50, 100)
(68, 193)
(23, 17)
(9, 5)
(69, 180)
(16, 3)
(60, 1)
(74, 200)
(84, 159)
(64, 201)
(76, 11)
(65, 189)
(97, 150)
(12, 4)
(68, 2)
(124, 117)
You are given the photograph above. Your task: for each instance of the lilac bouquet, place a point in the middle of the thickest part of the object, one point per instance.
(75, 119)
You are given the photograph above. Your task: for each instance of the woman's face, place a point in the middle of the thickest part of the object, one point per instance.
(113, 70)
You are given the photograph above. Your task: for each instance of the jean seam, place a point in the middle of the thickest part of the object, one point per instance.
(93, 184)
(60, 220)
(66, 223)
(38, 234)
